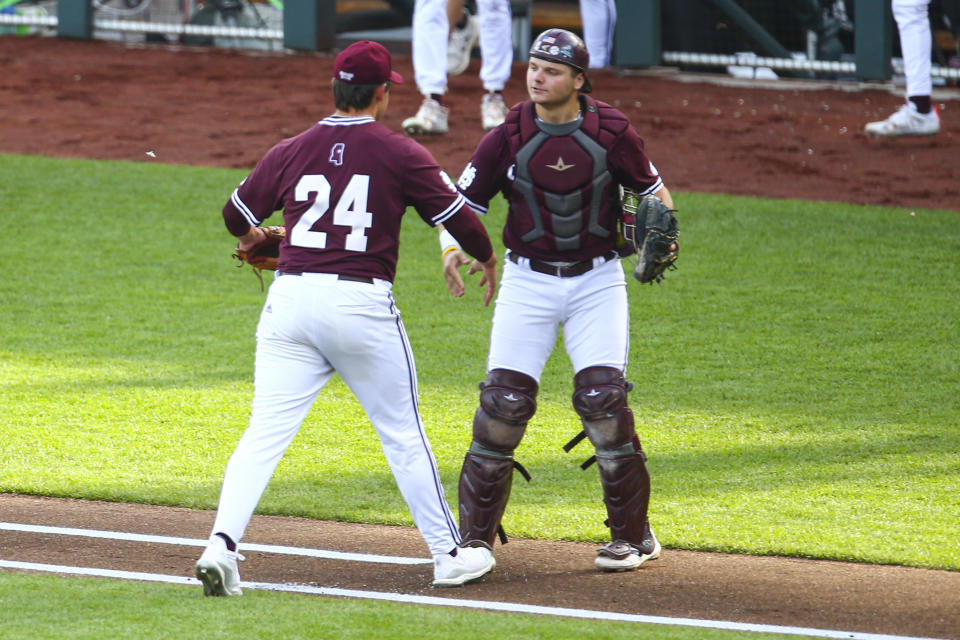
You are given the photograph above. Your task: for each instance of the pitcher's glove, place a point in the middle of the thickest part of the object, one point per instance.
(651, 229)
(265, 254)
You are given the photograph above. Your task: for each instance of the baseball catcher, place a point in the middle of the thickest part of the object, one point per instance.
(263, 254)
(650, 229)
(560, 159)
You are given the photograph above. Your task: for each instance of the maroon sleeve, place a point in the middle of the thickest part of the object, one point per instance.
(237, 225)
(485, 174)
(631, 166)
(257, 196)
(466, 228)
(427, 187)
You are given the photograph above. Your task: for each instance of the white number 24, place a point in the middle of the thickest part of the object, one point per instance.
(350, 211)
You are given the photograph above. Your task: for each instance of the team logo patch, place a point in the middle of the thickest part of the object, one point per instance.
(345, 75)
(467, 177)
(336, 154)
(447, 181)
(560, 166)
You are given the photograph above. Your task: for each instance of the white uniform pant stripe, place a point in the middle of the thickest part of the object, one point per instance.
(415, 395)
(309, 329)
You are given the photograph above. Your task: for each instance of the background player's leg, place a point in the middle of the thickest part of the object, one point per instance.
(916, 41)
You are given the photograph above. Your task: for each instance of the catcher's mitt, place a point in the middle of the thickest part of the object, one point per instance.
(650, 229)
(264, 254)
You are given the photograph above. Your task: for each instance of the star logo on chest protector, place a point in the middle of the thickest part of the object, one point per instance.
(560, 166)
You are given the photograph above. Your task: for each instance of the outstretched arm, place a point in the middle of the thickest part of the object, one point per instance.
(466, 225)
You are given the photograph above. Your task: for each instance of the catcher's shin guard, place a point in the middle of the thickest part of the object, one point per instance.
(484, 490)
(626, 492)
(507, 402)
(600, 398)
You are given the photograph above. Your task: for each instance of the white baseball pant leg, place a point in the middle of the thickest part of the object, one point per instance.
(431, 29)
(531, 307)
(916, 43)
(599, 22)
(496, 43)
(312, 326)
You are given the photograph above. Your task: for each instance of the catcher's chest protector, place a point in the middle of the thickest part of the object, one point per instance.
(561, 180)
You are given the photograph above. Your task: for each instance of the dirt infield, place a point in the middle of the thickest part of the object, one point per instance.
(681, 584)
(209, 107)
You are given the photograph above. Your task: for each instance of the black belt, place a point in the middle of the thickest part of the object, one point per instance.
(366, 279)
(340, 276)
(562, 271)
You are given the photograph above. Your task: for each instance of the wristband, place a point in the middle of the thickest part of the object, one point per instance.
(447, 242)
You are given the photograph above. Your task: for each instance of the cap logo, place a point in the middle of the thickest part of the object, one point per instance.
(344, 75)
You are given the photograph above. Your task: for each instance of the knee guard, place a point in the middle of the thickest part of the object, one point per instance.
(507, 402)
(508, 399)
(600, 399)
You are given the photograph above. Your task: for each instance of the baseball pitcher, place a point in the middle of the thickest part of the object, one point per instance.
(330, 308)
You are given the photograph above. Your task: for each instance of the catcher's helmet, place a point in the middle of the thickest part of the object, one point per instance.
(565, 47)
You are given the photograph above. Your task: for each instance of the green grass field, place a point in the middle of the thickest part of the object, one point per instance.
(796, 379)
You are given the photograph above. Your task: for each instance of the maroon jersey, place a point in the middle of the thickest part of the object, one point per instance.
(561, 181)
(343, 186)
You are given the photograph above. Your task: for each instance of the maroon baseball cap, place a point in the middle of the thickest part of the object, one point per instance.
(365, 62)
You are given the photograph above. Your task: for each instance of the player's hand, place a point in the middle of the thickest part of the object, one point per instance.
(452, 261)
(489, 277)
(250, 239)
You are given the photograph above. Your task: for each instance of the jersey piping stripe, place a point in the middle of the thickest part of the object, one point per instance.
(345, 121)
(656, 187)
(415, 395)
(449, 211)
(477, 208)
(242, 208)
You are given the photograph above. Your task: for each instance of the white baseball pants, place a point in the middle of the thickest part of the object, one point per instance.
(599, 22)
(311, 326)
(431, 31)
(916, 43)
(531, 308)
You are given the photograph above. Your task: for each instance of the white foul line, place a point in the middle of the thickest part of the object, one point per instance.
(471, 604)
(194, 542)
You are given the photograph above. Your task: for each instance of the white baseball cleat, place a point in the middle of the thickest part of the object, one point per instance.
(431, 118)
(217, 569)
(623, 556)
(493, 111)
(469, 564)
(461, 44)
(906, 121)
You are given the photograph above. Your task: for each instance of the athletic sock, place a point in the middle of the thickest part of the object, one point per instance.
(922, 103)
(231, 545)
